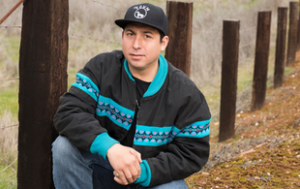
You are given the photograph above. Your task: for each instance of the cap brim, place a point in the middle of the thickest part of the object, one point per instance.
(122, 23)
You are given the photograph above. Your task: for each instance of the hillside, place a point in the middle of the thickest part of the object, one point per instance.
(265, 152)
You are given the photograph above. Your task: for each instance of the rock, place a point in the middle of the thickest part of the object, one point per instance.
(256, 178)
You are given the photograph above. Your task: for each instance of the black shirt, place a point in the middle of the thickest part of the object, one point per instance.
(141, 88)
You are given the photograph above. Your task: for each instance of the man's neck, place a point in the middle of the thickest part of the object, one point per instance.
(147, 74)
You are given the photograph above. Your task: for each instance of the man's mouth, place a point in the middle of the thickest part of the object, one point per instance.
(136, 56)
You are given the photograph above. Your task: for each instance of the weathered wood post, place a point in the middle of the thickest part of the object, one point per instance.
(293, 28)
(43, 79)
(298, 40)
(230, 53)
(178, 52)
(280, 46)
(261, 60)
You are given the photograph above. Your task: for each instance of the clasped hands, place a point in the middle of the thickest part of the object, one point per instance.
(125, 162)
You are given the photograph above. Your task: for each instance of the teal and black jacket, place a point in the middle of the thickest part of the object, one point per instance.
(172, 125)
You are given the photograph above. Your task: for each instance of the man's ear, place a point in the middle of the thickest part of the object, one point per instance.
(164, 43)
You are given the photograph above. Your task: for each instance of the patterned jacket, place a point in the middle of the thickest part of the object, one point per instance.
(172, 127)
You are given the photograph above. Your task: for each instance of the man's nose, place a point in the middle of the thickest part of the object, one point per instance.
(137, 42)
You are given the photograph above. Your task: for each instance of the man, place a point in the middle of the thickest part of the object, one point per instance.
(131, 120)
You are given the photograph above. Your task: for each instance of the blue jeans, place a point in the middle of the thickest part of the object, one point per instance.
(78, 169)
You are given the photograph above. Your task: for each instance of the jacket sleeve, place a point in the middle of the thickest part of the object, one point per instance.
(189, 150)
(75, 116)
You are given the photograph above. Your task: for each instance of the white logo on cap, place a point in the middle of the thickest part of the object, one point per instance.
(141, 11)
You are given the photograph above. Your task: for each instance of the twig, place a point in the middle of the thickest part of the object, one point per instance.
(9, 165)
(247, 152)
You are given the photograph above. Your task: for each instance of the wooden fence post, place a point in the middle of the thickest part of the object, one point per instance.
(280, 46)
(293, 28)
(43, 79)
(230, 53)
(178, 52)
(261, 60)
(298, 40)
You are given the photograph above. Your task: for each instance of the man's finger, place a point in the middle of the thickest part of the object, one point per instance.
(128, 176)
(116, 174)
(135, 172)
(137, 155)
(121, 176)
(118, 180)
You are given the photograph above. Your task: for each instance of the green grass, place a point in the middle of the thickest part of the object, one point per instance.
(9, 99)
(8, 176)
(13, 45)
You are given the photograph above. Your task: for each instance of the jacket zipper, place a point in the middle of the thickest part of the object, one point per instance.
(137, 103)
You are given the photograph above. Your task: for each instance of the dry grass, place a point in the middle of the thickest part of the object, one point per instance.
(93, 19)
(90, 18)
(8, 68)
(8, 138)
(207, 35)
(14, 19)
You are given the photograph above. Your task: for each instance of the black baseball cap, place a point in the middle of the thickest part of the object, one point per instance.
(147, 14)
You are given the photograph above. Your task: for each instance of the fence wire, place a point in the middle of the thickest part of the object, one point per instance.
(8, 177)
(93, 38)
(74, 35)
(5, 127)
(11, 79)
(107, 5)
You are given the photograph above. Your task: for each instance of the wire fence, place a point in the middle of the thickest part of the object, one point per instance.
(75, 35)
(11, 27)
(86, 37)
(5, 127)
(8, 177)
(108, 5)
(194, 30)
(207, 33)
(11, 79)
(93, 38)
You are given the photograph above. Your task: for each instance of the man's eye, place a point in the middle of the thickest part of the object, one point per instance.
(129, 34)
(147, 36)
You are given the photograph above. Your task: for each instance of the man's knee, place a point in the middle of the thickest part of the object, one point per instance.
(62, 148)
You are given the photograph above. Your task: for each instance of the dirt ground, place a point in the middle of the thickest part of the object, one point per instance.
(265, 152)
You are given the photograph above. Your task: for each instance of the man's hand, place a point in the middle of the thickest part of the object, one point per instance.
(125, 161)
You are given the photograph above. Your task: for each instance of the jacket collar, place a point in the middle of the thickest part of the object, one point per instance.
(158, 80)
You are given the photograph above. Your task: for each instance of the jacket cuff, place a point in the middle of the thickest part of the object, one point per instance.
(102, 143)
(145, 176)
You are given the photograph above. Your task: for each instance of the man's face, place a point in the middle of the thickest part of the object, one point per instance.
(141, 46)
